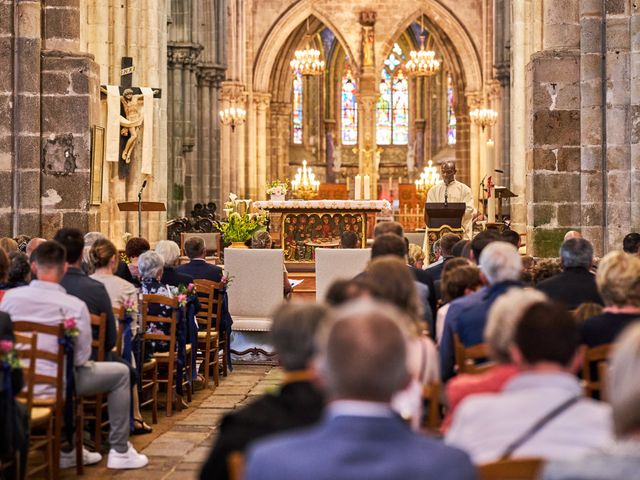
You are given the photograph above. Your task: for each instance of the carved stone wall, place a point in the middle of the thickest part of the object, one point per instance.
(48, 100)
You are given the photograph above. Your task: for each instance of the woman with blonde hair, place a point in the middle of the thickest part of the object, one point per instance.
(393, 282)
(618, 281)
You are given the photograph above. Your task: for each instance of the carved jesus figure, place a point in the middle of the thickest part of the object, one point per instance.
(131, 122)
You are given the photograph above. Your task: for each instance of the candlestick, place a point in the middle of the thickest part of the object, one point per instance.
(367, 187)
(348, 187)
(357, 188)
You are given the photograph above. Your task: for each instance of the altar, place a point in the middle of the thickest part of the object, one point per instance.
(301, 226)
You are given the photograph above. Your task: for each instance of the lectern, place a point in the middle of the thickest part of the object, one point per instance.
(141, 207)
(442, 218)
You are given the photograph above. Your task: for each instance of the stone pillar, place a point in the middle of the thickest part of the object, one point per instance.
(476, 150)
(553, 191)
(280, 133)
(262, 105)
(232, 166)
(634, 80)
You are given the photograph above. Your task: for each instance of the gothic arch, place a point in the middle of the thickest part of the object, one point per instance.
(277, 38)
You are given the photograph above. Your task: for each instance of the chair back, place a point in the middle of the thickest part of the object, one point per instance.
(212, 242)
(431, 395)
(256, 287)
(171, 320)
(99, 324)
(118, 314)
(26, 348)
(518, 469)
(466, 357)
(235, 465)
(593, 358)
(210, 298)
(338, 264)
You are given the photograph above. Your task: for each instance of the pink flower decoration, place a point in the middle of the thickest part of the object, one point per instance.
(182, 298)
(191, 286)
(6, 345)
(70, 323)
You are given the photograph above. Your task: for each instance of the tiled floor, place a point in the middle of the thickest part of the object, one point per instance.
(179, 444)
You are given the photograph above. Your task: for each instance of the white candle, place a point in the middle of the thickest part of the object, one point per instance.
(347, 186)
(390, 184)
(367, 187)
(357, 188)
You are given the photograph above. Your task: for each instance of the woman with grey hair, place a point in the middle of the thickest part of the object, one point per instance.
(151, 266)
(502, 320)
(170, 253)
(621, 460)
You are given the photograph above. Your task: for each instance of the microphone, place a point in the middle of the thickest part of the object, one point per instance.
(144, 184)
(446, 197)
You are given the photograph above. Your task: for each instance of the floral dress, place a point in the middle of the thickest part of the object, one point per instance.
(150, 286)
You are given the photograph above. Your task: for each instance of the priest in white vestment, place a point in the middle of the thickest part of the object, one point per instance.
(453, 191)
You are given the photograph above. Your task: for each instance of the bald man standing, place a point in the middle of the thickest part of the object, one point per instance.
(453, 191)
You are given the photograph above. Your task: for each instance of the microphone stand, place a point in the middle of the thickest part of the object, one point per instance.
(144, 184)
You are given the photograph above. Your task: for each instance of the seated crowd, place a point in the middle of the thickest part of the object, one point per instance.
(360, 371)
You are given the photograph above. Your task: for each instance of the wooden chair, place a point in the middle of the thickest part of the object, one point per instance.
(51, 432)
(235, 465)
(431, 394)
(168, 359)
(96, 406)
(518, 469)
(148, 388)
(466, 357)
(208, 318)
(39, 417)
(593, 358)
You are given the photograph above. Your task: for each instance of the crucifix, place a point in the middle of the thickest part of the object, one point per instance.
(131, 118)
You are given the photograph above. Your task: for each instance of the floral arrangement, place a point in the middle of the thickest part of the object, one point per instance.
(226, 280)
(278, 187)
(130, 305)
(70, 327)
(8, 355)
(185, 293)
(240, 227)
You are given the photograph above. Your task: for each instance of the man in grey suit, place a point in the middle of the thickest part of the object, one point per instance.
(361, 363)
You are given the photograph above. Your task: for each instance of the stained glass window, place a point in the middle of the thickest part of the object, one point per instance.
(392, 110)
(451, 114)
(349, 109)
(297, 108)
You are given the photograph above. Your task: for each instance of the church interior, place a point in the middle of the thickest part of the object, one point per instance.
(232, 140)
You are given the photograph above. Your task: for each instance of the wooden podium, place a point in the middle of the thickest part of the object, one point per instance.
(442, 218)
(141, 207)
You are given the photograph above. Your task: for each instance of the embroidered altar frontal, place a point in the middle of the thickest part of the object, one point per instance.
(299, 227)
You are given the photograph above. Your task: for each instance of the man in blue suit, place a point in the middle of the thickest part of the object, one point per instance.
(501, 268)
(198, 267)
(362, 362)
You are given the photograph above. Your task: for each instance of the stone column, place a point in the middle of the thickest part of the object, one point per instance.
(262, 105)
(280, 133)
(634, 80)
(554, 131)
(232, 166)
(476, 150)
(366, 98)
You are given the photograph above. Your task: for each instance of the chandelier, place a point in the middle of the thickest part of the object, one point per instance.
(484, 117)
(233, 116)
(304, 185)
(307, 61)
(423, 62)
(428, 178)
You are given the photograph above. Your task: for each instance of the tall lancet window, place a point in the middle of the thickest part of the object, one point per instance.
(451, 114)
(392, 110)
(297, 108)
(349, 108)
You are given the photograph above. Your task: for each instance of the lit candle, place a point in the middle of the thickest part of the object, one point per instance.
(347, 186)
(367, 187)
(357, 188)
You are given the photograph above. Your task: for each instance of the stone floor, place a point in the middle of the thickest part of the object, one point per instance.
(180, 443)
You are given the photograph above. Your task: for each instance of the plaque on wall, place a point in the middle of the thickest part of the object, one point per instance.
(97, 163)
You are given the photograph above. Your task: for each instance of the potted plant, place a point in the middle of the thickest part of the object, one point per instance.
(277, 190)
(240, 227)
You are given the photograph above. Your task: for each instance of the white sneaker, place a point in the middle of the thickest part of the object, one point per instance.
(68, 459)
(128, 459)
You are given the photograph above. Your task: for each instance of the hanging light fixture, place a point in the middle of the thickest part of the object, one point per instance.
(483, 117)
(233, 116)
(307, 61)
(423, 62)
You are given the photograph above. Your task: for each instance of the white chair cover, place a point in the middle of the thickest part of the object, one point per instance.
(338, 264)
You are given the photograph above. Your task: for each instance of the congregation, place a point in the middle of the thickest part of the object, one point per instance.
(484, 356)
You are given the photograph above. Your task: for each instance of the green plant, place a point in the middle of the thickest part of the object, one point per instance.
(240, 227)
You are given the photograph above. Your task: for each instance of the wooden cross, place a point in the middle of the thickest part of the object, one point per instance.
(126, 79)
